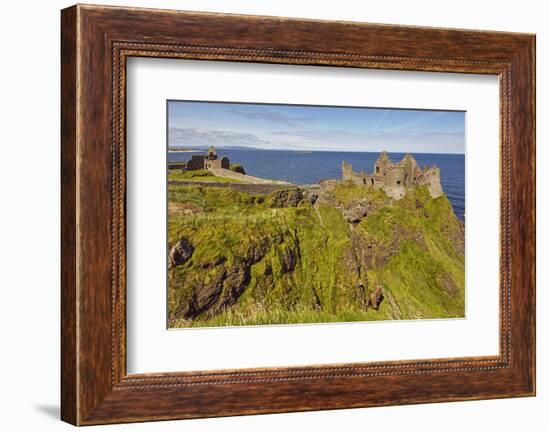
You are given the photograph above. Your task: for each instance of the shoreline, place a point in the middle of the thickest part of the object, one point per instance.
(185, 151)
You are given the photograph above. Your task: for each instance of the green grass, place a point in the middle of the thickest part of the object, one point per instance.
(426, 276)
(347, 191)
(409, 251)
(198, 175)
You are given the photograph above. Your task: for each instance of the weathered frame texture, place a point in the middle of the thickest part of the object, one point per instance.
(95, 43)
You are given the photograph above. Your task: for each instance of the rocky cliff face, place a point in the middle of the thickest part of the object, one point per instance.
(295, 256)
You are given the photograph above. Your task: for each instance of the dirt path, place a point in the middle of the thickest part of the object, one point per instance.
(316, 208)
(226, 173)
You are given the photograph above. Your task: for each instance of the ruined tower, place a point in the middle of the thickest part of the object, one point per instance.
(212, 154)
(396, 178)
(382, 164)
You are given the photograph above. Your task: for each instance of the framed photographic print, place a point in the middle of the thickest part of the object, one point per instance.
(259, 216)
(313, 241)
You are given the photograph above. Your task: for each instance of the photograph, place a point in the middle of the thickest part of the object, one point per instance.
(284, 214)
(275, 215)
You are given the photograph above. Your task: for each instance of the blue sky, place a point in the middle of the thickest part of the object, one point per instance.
(314, 128)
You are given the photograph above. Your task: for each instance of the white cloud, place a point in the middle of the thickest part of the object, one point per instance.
(274, 117)
(195, 137)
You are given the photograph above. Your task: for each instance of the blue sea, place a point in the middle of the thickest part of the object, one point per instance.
(309, 167)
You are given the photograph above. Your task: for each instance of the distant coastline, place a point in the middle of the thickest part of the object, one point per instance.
(375, 151)
(184, 150)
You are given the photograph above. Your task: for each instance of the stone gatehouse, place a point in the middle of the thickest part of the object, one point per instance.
(207, 162)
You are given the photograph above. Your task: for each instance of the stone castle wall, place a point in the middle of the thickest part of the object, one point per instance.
(209, 162)
(395, 178)
(222, 163)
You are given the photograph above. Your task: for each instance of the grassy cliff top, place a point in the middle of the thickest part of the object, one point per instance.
(348, 192)
(200, 175)
(257, 262)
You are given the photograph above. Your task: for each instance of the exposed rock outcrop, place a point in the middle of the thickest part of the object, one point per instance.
(288, 260)
(235, 167)
(180, 253)
(311, 196)
(357, 210)
(204, 296)
(376, 297)
(225, 282)
(286, 198)
(361, 257)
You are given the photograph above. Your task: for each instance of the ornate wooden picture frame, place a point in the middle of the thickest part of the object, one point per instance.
(96, 41)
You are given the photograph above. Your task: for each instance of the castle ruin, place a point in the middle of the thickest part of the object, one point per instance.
(393, 178)
(396, 178)
(221, 168)
(208, 162)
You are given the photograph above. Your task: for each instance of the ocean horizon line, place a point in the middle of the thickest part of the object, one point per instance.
(308, 150)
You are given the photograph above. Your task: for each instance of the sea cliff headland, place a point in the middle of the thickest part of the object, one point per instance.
(244, 250)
